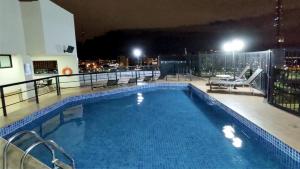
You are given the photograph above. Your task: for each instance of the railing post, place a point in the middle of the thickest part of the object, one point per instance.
(116, 73)
(3, 101)
(57, 85)
(177, 71)
(83, 80)
(91, 77)
(270, 90)
(36, 92)
(190, 71)
(136, 80)
(152, 74)
(298, 105)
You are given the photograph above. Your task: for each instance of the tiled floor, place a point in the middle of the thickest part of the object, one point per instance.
(279, 123)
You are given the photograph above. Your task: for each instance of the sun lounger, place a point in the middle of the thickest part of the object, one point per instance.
(112, 83)
(238, 82)
(132, 80)
(147, 78)
(229, 77)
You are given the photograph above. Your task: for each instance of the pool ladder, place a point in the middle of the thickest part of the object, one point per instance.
(49, 144)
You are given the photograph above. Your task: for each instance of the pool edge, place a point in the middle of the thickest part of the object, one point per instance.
(276, 142)
(288, 150)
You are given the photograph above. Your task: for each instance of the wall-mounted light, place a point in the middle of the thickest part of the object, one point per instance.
(69, 49)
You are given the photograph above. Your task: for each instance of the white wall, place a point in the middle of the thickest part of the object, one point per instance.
(14, 74)
(17, 74)
(49, 29)
(33, 27)
(59, 29)
(12, 42)
(11, 28)
(39, 28)
(58, 32)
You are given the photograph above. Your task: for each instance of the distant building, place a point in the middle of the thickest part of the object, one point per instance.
(123, 61)
(150, 61)
(89, 66)
(279, 38)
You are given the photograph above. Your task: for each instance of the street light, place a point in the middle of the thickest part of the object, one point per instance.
(233, 46)
(137, 53)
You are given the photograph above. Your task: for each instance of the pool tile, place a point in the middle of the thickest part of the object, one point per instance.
(275, 143)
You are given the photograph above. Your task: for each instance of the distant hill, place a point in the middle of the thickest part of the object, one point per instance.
(258, 32)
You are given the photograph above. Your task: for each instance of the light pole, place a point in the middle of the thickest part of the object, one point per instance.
(233, 46)
(137, 53)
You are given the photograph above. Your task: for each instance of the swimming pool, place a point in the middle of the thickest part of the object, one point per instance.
(153, 128)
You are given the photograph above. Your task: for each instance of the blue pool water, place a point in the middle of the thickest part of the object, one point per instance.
(159, 129)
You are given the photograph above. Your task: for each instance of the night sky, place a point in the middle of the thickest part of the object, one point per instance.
(95, 17)
(97, 20)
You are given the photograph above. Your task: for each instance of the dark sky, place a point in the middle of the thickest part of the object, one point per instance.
(96, 17)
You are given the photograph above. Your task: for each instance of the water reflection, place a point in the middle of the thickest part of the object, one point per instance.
(229, 133)
(69, 117)
(237, 142)
(140, 98)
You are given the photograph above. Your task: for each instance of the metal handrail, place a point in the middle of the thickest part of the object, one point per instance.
(54, 76)
(19, 134)
(53, 146)
(57, 83)
(56, 146)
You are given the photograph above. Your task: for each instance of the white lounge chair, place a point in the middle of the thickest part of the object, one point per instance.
(238, 82)
(242, 74)
(229, 77)
(126, 81)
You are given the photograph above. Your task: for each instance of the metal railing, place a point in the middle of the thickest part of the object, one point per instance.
(284, 91)
(53, 146)
(210, 65)
(49, 144)
(32, 90)
(13, 138)
(178, 70)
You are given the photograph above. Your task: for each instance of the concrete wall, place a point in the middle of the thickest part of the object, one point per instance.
(49, 29)
(12, 42)
(17, 74)
(33, 27)
(14, 74)
(58, 27)
(40, 29)
(11, 28)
